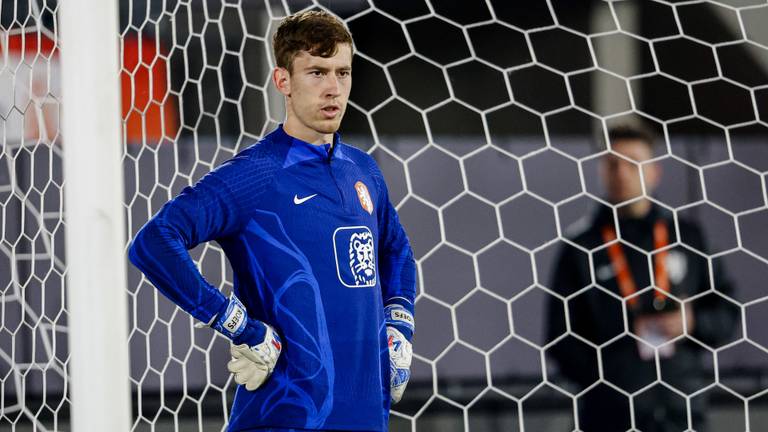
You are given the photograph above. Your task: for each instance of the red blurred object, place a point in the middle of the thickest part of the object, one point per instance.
(149, 110)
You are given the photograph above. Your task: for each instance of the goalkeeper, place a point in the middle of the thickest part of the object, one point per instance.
(321, 315)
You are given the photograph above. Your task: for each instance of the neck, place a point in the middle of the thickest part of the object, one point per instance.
(637, 209)
(296, 129)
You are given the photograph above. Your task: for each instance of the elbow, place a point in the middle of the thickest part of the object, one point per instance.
(144, 242)
(136, 249)
(155, 238)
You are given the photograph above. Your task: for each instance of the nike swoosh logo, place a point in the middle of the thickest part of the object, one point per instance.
(297, 200)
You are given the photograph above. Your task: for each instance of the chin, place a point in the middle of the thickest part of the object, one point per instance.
(328, 126)
(618, 200)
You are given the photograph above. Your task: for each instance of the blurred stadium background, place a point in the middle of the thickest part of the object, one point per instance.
(488, 119)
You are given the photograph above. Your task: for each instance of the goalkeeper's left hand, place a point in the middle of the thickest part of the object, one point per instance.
(399, 324)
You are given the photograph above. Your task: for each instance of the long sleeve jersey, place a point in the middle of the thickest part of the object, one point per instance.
(317, 251)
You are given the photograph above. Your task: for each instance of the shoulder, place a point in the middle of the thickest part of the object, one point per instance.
(264, 151)
(256, 163)
(365, 161)
(354, 155)
(586, 231)
(585, 234)
(589, 225)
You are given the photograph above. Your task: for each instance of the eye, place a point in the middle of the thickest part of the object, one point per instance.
(316, 73)
(345, 73)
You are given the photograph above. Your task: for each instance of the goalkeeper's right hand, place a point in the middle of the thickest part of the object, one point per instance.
(253, 364)
(256, 345)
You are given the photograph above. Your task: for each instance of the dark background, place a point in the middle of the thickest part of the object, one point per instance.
(488, 120)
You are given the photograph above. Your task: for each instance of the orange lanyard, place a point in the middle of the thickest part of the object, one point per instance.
(626, 282)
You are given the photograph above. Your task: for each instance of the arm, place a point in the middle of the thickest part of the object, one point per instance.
(397, 268)
(575, 360)
(714, 317)
(397, 272)
(213, 208)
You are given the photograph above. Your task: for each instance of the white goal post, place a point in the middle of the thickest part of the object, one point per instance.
(95, 227)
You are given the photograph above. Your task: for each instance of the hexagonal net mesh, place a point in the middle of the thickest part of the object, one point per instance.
(490, 121)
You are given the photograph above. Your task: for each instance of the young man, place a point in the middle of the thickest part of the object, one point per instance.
(324, 279)
(653, 316)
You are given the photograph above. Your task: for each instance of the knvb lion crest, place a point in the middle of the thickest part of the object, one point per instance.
(355, 252)
(361, 258)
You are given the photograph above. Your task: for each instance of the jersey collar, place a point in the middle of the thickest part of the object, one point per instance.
(300, 150)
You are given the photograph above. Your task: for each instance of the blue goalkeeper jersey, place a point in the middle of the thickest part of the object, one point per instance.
(317, 251)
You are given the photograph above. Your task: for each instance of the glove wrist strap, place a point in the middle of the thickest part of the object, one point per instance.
(233, 321)
(400, 318)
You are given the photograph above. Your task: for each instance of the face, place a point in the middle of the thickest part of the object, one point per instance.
(621, 176)
(316, 90)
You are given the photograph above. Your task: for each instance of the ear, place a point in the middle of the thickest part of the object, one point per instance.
(282, 80)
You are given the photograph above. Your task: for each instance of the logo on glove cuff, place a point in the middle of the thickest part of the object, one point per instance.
(234, 320)
(401, 315)
(355, 245)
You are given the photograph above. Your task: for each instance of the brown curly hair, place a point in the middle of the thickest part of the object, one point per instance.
(317, 32)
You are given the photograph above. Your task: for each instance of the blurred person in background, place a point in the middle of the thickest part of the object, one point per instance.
(645, 298)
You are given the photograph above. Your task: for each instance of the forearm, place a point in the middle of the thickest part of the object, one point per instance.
(159, 252)
(399, 291)
(398, 271)
(397, 267)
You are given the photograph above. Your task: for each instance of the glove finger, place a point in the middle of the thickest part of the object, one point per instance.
(241, 363)
(252, 385)
(253, 357)
(255, 382)
(401, 377)
(398, 383)
(246, 374)
(239, 378)
(396, 394)
(238, 351)
(237, 365)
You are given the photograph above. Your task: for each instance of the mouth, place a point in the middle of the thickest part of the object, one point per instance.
(330, 111)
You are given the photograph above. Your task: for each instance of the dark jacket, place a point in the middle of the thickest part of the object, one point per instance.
(602, 325)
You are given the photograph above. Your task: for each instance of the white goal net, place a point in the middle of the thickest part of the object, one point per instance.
(490, 121)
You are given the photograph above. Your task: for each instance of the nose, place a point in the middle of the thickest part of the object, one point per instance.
(620, 168)
(332, 89)
(630, 170)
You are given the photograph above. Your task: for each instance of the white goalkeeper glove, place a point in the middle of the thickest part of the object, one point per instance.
(252, 365)
(256, 345)
(400, 356)
(399, 323)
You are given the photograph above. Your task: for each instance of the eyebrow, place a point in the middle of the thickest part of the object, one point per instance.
(326, 69)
